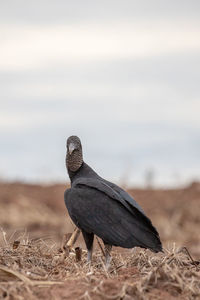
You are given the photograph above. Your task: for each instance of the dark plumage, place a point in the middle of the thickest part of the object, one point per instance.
(100, 207)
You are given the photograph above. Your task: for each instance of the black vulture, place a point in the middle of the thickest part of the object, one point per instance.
(100, 207)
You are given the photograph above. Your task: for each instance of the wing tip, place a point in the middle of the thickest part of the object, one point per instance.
(157, 248)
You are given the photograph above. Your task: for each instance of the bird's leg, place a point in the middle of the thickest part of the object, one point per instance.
(89, 255)
(89, 238)
(108, 249)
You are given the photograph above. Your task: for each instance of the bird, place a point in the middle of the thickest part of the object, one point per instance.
(102, 208)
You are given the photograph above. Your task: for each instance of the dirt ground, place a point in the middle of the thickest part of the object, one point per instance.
(34, 264)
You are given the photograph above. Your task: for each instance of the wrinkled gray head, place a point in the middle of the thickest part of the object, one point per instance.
(74, 157)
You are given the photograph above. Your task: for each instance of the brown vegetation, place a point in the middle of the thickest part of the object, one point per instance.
(35, 265)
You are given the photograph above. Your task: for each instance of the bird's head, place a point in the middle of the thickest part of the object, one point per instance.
(74, 157)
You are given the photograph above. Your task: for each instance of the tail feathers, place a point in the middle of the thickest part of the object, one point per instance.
(145, 232)
(157, 248)
(150, 241)
(153, 241)
(142, 236)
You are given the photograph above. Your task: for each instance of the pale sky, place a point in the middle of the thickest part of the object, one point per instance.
(123, 75)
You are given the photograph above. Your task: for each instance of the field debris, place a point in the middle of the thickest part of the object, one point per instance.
(36, 262)
(139, 274)
(73, 238)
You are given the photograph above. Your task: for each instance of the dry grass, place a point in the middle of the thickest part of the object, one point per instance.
(28, 265)
(35, 265)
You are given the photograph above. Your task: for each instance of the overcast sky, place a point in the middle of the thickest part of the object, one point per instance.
(122, 75)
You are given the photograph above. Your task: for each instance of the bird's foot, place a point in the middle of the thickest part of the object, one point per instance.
(90, 267)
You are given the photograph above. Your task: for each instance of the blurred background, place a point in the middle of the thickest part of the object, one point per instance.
(122, 75)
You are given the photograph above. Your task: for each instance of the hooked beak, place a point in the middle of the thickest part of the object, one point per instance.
(71, 148)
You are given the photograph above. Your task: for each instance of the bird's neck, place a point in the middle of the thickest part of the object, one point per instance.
(74, 162)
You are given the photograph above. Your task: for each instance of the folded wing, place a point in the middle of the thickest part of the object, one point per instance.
(97, 207)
